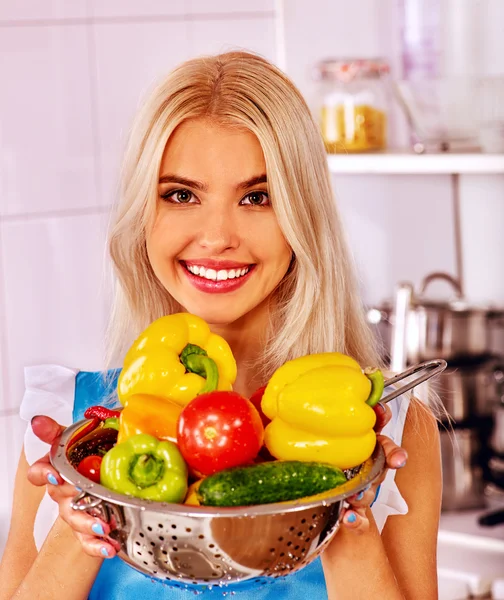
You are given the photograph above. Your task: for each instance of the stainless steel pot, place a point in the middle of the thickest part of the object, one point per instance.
(423, 328)
(462, 473)
(471, 391)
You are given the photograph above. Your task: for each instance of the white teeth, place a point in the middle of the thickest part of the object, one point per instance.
(214, 275)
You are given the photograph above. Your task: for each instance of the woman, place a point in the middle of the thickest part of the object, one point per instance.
(227, 212)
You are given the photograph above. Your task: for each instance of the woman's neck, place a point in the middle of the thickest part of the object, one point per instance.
(246, 337)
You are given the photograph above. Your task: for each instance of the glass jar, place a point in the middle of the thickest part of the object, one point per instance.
(353, 104)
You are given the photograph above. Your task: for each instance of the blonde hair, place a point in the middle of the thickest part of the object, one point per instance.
(318, 307)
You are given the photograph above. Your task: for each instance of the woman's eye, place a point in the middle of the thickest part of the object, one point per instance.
(178, 196)
(256, 199)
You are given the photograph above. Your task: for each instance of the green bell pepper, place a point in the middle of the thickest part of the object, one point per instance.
(146, 468)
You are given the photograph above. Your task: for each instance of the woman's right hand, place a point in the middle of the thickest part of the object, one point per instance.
(90, 531)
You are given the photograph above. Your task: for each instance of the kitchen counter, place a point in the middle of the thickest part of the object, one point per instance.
(470, 557)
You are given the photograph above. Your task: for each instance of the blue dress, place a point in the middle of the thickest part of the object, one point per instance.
(118, 581)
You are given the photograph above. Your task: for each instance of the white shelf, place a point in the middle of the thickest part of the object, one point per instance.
(409, 163)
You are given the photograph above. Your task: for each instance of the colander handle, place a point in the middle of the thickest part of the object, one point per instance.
(429, 369)
(92, 505)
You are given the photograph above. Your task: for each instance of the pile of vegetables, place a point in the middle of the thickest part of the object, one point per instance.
(184, 435)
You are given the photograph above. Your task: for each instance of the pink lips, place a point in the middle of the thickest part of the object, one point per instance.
(217, 287)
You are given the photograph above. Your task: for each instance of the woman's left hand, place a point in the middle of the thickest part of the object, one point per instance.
(355, 517)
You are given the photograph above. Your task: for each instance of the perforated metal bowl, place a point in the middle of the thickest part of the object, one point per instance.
(206, 545)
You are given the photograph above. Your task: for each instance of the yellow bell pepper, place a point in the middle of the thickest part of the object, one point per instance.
(176, 358)
(148, 414)
(320, 408)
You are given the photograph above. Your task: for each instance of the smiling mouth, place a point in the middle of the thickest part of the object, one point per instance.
(217, 275)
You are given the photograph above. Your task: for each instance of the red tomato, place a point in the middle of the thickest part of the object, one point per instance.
(90, 467)
(219, 430)
(256, 401)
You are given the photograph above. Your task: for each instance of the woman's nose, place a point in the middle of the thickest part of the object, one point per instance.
(218, 231)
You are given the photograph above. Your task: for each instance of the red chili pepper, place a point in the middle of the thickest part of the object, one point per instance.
(85, 430)
(100, 412)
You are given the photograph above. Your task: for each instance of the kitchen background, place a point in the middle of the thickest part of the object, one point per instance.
(72, 76)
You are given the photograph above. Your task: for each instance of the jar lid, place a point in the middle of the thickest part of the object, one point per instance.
(346, 69)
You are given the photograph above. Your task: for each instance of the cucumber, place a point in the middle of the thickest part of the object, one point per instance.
(263, 483)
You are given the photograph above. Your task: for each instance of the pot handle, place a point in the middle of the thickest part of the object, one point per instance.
(445, 277)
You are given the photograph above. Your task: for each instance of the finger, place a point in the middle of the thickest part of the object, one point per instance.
(364, 498)
(45, 428)
(355, 519)
(82, 522)
(62, 493)
(95, 546)
(383, 416)
(396, 456)
(42, 473)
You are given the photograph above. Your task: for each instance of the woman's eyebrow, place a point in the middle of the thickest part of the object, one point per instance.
(252, 181)
(169, 178)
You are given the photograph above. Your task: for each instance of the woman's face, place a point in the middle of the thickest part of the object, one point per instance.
(216, 245)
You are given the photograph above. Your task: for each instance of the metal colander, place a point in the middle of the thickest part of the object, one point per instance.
(184, 544)
(206, 545)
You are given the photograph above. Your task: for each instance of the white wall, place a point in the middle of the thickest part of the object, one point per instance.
(72, 74)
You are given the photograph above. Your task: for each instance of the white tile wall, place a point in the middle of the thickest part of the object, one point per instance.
(400, 228)
(230, 6)
(213, 36)
(133, 8)
(4, 380)
(31, 10)
(482, 224)
(55, 306)
(129, 58)
(46, 134)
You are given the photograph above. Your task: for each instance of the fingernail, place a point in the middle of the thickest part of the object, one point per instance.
(401, 465)
(351, 518)
(98, 529)
(51, 479)
(78, 489)
(360, 495)
(33, 419)
(104, 552)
